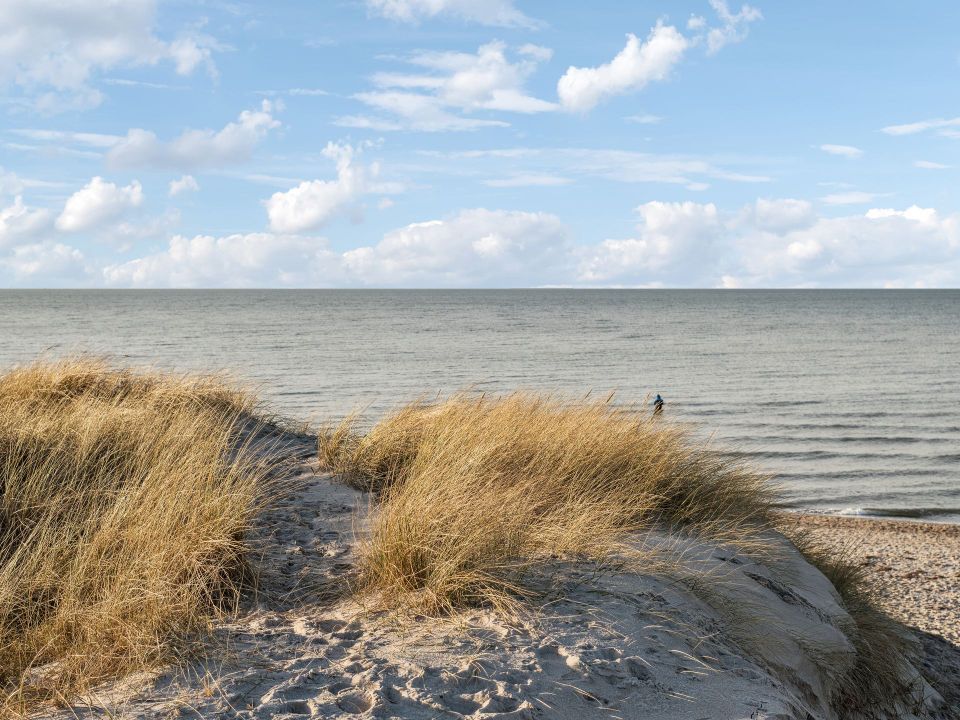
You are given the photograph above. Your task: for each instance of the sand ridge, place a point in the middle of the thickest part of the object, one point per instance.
(608, 645)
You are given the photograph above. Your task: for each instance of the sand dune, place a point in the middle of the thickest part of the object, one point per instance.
(756, 641)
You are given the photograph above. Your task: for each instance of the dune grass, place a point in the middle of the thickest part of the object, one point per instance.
(475, 491)
(124, 499)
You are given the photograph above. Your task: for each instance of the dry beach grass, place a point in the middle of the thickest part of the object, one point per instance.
(127, 500)
(476, 492)
(123, 506)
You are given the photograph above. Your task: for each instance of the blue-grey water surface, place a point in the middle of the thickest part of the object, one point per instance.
(852, 398)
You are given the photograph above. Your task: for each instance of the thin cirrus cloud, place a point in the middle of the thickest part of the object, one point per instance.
(502, 13)
(847, 151)
(852, 197)
(930, 165)
(626, 166)
(945, 127)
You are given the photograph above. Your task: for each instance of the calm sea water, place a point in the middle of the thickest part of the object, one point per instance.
(852, 398)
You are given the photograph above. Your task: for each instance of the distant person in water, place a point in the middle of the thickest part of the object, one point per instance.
(657, 405)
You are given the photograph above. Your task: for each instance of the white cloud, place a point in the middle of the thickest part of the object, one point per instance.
(191, 51)
(234, 143)
(311, 204)
(778, 243)
(486, 12)
(474, 247)
(735, 26)
(848, 151)
(186, 183)
(528, 180)
(639, 63)
(44, 264)
(51, 49)
(930, 165)
(853, 197)
(97, 203)
(19, 222)
(780, 215)
(478, 247)
(768, 243)
(675, 242)
(644, 119)
(448, 83)
(618, 165)
(86, 139)
(922, 126)
(241, 260)
(642, 62)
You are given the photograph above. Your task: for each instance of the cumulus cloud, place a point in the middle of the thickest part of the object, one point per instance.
(486, 248)
(848, 151)
(43, 264)
(778, 243)
(234, 143)
(51, 49)
(772, 242)
(474, 247)
(638, 64)
(675, 242)
(502, 13)
(97, 203)
(19, 223)
(186, 183)
(240, 260)
(643, 62)
(311, 204)
(447, 86)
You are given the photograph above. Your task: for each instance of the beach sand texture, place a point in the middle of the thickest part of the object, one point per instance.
(613, 645)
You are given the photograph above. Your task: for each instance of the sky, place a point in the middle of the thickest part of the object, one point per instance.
(479, 143)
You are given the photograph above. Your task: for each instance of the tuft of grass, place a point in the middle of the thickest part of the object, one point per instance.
(124, 500)
(475, 491)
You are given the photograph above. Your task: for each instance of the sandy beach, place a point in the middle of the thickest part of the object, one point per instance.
(919, 566)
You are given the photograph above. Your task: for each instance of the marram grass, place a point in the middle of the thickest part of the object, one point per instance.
(124, 499)
(474, 494)
(475, 490)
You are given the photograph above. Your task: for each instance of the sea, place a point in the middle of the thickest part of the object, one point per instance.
(850, 399)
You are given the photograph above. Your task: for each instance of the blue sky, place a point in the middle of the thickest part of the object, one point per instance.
(457, 143)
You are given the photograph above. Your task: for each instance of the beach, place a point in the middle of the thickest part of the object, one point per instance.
(918, 564)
